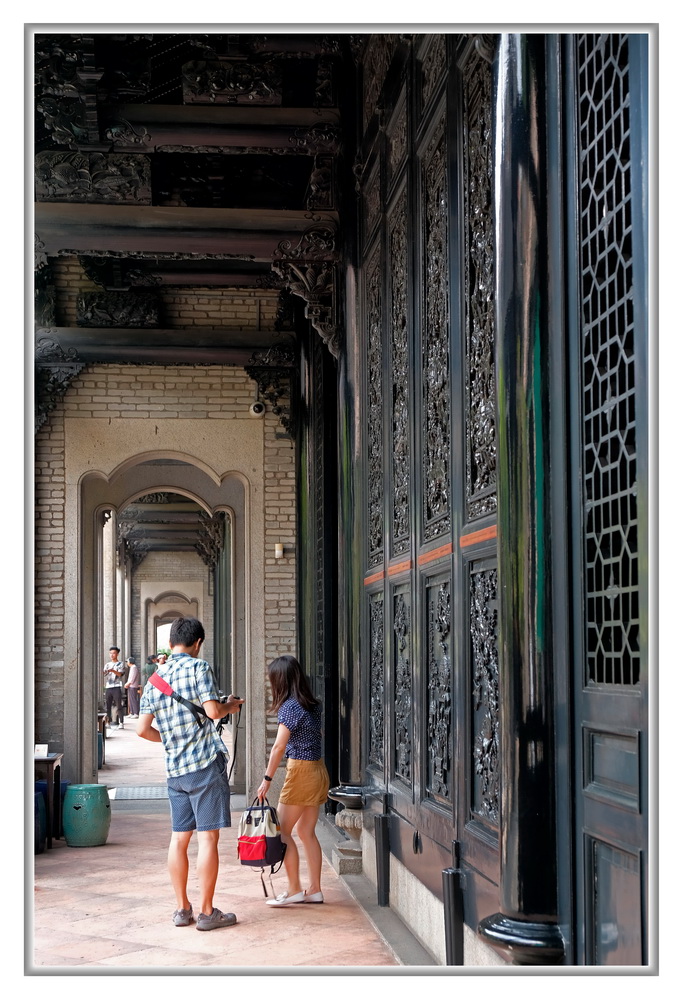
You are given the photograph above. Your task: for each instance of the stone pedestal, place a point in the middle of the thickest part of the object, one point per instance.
(347, 857)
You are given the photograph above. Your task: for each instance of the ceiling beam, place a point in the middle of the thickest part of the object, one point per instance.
(193, 128)
(107, 345)
(252, 234)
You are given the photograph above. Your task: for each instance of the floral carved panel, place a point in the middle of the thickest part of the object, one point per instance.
(485, 692)
(435, 342)
(375, 398)
(439, 680)
(376, 680)
(402, 665)
(481, 444)
(400, 377)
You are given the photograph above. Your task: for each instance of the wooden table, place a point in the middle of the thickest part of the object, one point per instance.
(52, 763)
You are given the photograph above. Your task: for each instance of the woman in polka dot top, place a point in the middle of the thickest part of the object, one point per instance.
(306, 785)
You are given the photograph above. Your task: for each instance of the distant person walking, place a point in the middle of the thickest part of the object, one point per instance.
(113, 687)
(306, 785)
(132, 686)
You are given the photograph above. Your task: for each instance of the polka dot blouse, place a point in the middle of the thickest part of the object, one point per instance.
(306, 730)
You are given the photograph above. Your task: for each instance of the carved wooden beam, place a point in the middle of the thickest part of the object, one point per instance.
(201, 129)
(107, 345)
(202, 233)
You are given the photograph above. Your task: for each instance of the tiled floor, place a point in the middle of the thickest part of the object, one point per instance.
(109, 907)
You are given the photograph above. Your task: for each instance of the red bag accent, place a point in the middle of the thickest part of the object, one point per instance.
(252, 848)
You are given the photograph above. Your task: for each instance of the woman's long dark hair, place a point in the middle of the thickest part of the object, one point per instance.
(287, 680)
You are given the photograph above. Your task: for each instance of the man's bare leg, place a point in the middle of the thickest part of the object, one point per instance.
(207, 867)
(178, 866)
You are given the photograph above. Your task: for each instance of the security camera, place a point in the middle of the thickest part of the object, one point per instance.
(257, 409)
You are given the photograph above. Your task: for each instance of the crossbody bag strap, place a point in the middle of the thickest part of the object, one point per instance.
(198, 711)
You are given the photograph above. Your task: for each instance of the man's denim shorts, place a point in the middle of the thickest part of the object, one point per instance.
(200, 800)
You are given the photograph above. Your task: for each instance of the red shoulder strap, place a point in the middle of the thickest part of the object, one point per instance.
(162, 685)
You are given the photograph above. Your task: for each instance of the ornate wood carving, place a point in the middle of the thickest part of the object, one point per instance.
(55, 369)
(57, 61)
(122, 133)
(117, 309)
(479, 295)
(377, 59)
(272, 371)
(39, 253)
(374, 408)
(324, 84)
(403, 686)
(136, 549)
(376, 680)
(157, 498)
(439, 680)
(436, 515)
(44, 299)
(231, 82)
(211, 538)
(433, 67)
(485, 694)
(400, 376)
(66, 120)
(317, 244)
(315, 283)
(397, 142)
(93, 177)
(371, 196)
(321, 185)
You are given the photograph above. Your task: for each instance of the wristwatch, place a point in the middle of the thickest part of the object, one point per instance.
(266, 777)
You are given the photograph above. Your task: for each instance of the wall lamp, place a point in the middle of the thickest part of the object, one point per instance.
(279, 550)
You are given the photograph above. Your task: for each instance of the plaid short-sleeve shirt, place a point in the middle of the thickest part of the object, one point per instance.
(188, 746)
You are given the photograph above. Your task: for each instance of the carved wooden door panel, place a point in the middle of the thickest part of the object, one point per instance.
(609, 385)
(429, 455)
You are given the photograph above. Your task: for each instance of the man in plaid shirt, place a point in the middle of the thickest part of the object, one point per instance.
(196, 767)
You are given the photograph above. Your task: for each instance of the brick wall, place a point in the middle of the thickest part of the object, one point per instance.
(49, 579)
(241, 308)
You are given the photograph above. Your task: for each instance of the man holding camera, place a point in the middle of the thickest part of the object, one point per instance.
(196, 766)
(113, 688)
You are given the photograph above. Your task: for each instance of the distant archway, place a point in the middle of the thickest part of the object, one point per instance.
(101, 498)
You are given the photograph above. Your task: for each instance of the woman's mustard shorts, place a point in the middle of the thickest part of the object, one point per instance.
(306, 783)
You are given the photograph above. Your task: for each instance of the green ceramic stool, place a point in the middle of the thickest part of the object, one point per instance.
(87, 815)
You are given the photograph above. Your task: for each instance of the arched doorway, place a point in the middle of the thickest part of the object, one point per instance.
(198, 568)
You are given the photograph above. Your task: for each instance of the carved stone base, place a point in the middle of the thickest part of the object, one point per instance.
(350, 821)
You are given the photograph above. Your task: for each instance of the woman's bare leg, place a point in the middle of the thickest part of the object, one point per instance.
(305, 828)
(288, 818)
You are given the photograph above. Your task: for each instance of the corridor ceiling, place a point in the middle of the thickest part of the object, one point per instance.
(187, 161)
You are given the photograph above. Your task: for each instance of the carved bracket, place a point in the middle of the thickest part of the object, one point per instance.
(315, 283)
(55, 369)
(272, 371)
(211, 538)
